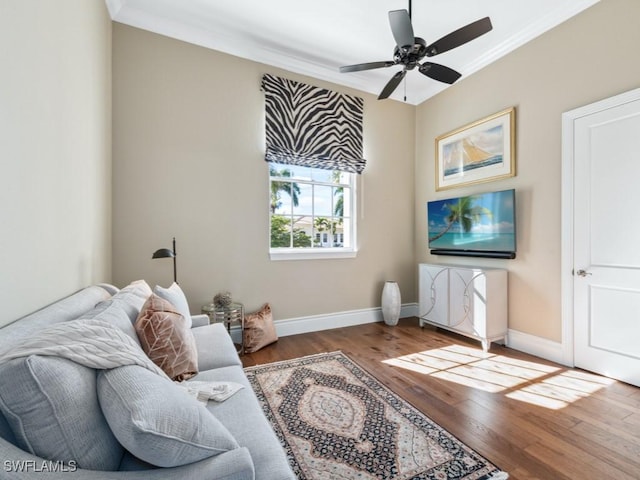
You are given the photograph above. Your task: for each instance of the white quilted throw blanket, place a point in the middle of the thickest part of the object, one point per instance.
(92, 343)
(101, 345)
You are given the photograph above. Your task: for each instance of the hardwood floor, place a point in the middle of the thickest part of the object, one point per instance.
(532, 418)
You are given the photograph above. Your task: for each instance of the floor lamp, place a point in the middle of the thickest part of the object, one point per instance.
(167, 253)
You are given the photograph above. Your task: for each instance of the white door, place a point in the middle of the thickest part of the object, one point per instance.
(606, 249)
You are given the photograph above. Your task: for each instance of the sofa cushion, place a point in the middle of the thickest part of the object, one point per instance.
(52, 406)
(114, 313)
(66, 309)
(245, 420)
(132, 297)
(6, 432)
(215, 348)
(259, 330)
(176, 297)
(157, 421)
(166, 339)
(123, 308)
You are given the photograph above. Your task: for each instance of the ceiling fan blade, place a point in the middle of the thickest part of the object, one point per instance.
(439, 72)
(392, 84)
(460, 36)
(366, 66)
(401, 28)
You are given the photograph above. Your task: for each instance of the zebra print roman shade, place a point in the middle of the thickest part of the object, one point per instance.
(312, 126)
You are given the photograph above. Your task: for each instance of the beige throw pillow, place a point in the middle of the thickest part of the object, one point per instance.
(166, 339)
(259, 330)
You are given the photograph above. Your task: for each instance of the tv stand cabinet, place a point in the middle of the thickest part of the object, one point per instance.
(466, 300)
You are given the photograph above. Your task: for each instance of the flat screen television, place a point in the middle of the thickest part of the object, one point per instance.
(478, 225)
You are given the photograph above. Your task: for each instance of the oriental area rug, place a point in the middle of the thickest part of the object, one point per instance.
(336, 421)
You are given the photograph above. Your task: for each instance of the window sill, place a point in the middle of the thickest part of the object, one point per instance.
(311, 254)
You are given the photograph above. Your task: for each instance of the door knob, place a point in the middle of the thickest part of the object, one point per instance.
(582, 273)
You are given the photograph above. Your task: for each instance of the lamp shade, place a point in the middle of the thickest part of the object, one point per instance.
(163, 253)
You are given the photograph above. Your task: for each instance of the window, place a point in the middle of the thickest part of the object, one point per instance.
(312, 212)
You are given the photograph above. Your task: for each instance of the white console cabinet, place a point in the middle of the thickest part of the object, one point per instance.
(466, 300)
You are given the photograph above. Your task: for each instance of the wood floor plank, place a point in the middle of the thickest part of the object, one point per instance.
(535, 419)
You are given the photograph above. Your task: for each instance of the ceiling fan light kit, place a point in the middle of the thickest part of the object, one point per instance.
(410, 50)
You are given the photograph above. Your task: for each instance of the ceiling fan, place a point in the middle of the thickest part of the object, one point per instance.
(410, 50)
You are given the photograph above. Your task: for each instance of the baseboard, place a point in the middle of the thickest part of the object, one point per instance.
(316, 323)
(538, 346)
(524, 342)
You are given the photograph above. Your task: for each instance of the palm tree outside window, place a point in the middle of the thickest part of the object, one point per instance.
(311, 209)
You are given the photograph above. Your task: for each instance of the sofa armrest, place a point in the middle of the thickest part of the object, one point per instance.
(215, 347)
(199, 320)
(235, 464)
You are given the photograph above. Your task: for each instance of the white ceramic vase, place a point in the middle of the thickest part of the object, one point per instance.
(391, 303)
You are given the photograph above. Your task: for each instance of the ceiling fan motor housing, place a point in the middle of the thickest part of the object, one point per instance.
(410, 55)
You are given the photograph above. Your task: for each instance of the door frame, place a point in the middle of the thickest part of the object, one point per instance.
(567, 211)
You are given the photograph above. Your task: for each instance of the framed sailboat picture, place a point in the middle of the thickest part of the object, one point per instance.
(482, 151)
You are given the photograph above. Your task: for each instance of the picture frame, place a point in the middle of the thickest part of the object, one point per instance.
(482, 151)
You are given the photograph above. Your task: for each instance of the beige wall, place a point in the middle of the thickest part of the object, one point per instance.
(590, 57)
(55, 149)
(187, 152)
(188, 157)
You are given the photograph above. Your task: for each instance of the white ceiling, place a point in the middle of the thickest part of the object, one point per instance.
(314, 37)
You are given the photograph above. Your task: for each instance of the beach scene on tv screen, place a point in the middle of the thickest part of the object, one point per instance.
(484, 222)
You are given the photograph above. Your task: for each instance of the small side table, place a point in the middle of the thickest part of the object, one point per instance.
(233, 313)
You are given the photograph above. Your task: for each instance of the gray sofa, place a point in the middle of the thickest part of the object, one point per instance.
(256, 451)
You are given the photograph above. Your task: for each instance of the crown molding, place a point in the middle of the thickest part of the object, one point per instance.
(224, 40)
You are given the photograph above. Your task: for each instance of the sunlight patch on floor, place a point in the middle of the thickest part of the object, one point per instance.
(531, 382)
(561, 390)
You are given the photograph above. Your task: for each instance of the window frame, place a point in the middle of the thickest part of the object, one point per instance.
(314, 253)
